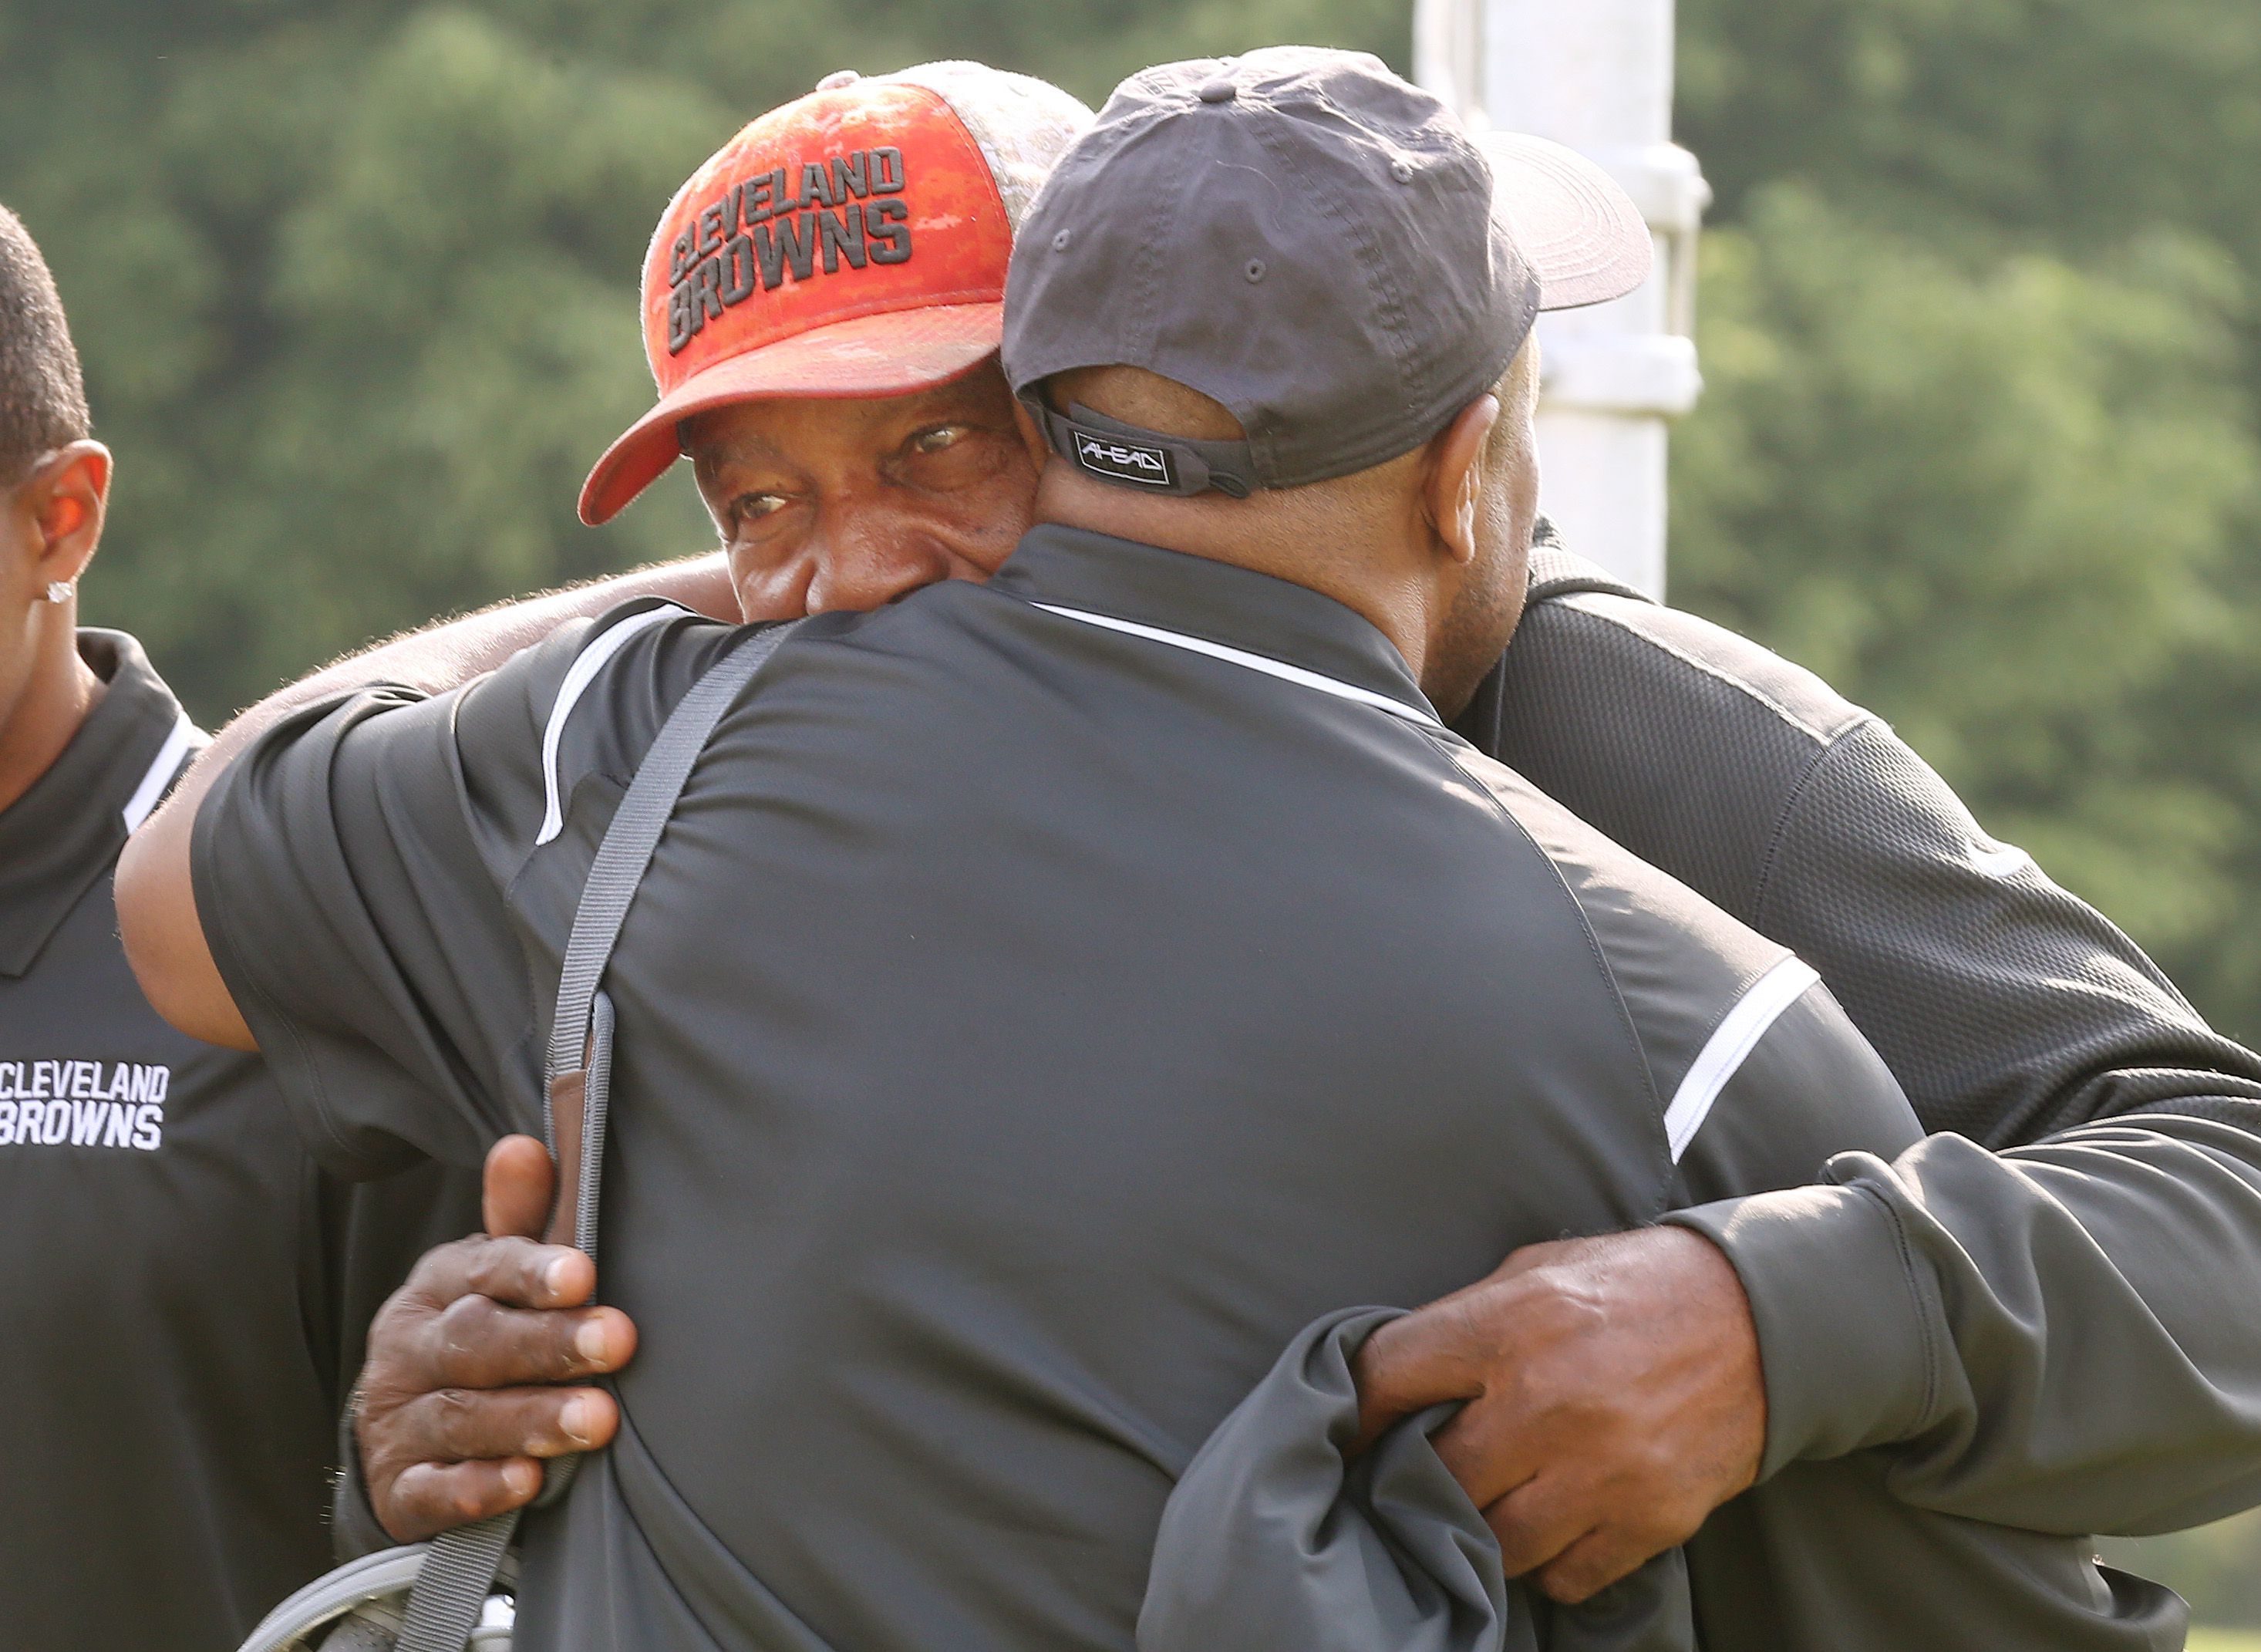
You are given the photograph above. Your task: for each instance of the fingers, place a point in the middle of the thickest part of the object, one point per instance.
(522, 1273)
(1536, 1523)
(520, 1181)
(460, 1425)
(1450, 1349)
(517, 1272)
(1432, 1355)
(1497, 1443)
(1614, 1398)
(433, 1497)
(451, 1426)
(1554, 1539)
(475, 1343)
(1576, 1529)
(1591, 1564)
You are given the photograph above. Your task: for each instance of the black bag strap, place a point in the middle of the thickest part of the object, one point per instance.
(461, 1564)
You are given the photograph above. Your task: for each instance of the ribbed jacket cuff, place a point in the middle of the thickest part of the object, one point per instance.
(1849, 1349)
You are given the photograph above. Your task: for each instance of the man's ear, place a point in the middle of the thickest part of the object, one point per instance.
(1453, 487)
(66, 494)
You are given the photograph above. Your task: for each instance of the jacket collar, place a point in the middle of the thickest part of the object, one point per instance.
(1211, 601)
(64, 834)
(1555, 571)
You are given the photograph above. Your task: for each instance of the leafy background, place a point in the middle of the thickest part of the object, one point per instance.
(355, 283)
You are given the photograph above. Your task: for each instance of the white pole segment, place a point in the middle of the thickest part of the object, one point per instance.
(1596, 74)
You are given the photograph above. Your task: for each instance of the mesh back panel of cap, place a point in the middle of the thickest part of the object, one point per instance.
(1023, 124)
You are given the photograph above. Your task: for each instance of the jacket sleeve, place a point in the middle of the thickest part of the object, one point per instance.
(2062, 1302)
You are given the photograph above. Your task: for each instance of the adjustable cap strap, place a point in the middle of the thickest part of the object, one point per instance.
(1131, 457)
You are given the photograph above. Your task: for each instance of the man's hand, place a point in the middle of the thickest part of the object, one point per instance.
(449, 1425)
(1614, 1394)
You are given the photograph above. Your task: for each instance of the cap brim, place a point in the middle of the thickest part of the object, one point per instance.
(886, 355)
(1577, 229)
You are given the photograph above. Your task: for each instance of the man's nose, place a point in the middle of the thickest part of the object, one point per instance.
(868, 559)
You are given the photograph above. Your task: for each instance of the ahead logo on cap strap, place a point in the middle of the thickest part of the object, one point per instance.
(1121, 460)
(1130, 457)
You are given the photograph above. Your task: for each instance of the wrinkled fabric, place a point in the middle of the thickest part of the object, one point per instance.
(1025, 1027)
(2076, 1351)
(1272, 1542)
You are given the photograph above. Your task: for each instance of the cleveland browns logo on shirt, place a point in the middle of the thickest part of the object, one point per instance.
(83, 1103)
(848, 208)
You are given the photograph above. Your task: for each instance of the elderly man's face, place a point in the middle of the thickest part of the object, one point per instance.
(846, 503)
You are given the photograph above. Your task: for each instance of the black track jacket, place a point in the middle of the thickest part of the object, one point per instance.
(2050, 1314)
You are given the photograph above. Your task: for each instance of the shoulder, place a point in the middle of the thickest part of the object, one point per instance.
(587, 700)
(1684, 741)
(493, 757)
(1681, 965)
(1624, 893)
(1680, 662)
(1718, 1009)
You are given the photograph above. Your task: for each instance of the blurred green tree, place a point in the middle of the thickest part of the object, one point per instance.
(355, 282)
(2075, 123)
(1993, 499)
(1978, 444)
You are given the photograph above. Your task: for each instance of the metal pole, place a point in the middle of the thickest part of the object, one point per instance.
(1596, 74)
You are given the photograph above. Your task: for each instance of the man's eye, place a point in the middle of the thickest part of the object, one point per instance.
(935, 440)
(751, 507)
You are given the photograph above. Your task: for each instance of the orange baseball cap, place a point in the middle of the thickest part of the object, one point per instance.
(852, 242)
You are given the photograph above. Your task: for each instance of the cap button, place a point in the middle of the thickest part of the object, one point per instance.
(1402, 169)
(839, 78)
(1217, 91)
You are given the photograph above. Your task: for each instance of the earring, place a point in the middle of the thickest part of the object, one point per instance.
(59, 591)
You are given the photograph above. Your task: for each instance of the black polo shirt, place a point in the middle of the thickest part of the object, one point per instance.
(183, 1292)
(1049, 996)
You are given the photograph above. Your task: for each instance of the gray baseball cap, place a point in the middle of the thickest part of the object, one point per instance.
(1309, 240)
